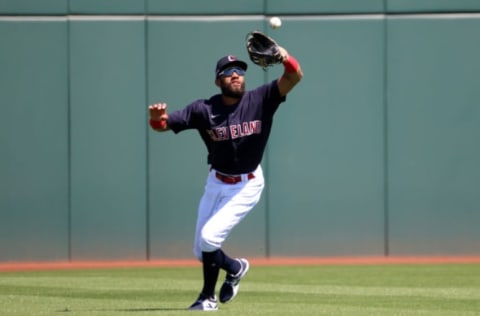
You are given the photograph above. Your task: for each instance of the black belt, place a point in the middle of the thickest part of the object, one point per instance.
(232, 179)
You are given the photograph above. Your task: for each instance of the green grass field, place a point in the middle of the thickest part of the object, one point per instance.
(443, 289)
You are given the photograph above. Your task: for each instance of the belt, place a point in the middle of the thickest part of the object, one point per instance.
(232, 179)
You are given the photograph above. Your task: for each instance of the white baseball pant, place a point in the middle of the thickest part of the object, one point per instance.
(222, 207)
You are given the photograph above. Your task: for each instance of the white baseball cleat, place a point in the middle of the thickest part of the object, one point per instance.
(204, 303)
(230, 286)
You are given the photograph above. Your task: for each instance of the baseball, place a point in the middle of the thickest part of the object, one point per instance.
(275, 22)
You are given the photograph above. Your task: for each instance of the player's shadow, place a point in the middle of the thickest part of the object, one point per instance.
(150, 309)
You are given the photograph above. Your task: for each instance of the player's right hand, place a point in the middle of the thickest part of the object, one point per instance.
(158, 116)
(158, 111)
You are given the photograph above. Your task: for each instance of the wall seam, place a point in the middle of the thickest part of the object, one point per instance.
(386, 175)
(147, 147)
(69, 141)
(267, 174)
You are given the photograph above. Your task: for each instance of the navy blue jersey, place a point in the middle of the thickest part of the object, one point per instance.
(235, 135)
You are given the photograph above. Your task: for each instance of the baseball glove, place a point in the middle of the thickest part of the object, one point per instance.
(263, 50)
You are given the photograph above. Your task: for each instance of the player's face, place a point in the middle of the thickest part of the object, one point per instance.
(232, 82)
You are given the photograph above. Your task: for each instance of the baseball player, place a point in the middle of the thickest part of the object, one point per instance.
(235, 126)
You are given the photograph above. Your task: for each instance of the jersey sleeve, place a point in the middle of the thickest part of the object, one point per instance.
(271, 95)
(186, 118)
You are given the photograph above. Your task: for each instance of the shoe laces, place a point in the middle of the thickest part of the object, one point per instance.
(204, 297)
(230, 279)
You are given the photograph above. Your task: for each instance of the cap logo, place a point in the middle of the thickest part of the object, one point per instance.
(231, 58)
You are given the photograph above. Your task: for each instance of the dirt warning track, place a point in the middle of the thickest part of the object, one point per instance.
(274, 261)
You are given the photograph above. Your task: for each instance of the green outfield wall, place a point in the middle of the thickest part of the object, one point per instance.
(376, 152)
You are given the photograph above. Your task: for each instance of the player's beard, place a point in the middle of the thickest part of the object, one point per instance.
(233, 92)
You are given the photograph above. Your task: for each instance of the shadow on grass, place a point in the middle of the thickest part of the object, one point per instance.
(151, 309)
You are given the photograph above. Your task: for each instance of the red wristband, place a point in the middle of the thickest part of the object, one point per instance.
(158, 124)
(291, 64)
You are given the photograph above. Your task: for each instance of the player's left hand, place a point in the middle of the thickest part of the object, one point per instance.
(283, 53)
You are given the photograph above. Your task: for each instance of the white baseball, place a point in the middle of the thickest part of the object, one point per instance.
(275, 22)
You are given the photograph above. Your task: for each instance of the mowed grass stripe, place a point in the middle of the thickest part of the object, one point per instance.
(441, 293)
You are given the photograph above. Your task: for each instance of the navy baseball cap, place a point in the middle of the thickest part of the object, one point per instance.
(229, 61)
